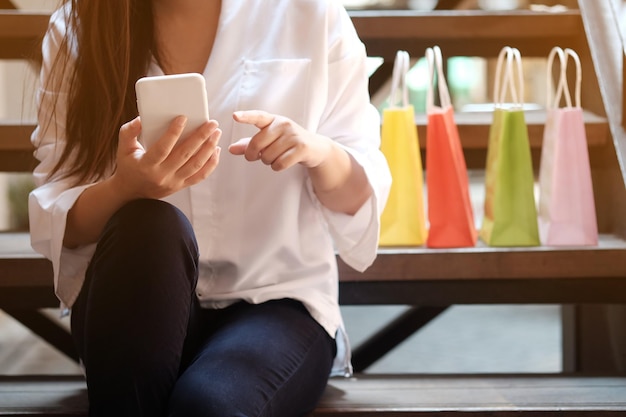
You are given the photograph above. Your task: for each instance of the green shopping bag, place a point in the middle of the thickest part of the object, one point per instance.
(510, 216)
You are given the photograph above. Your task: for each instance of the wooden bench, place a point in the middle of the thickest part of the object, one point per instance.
(428, 280)
(380, 395)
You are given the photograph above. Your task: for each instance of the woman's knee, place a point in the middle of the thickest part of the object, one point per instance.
(147, 238)
(147, 221)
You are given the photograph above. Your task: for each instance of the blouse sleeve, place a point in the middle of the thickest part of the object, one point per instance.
(353, 122)
(52, 198)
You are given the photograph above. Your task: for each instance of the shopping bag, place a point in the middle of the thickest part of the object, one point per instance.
(567, 213)
(450, 214)
(403, 221)
(510, 213)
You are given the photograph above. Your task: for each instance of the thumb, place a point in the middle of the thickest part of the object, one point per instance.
(128, 135)
(239, 147)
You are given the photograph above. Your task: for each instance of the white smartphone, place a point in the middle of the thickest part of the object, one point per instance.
(160, 99)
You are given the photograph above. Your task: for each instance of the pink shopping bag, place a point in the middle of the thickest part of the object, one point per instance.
(567, 214)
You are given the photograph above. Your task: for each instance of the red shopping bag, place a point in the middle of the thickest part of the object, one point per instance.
(567, 214)
(450, 214)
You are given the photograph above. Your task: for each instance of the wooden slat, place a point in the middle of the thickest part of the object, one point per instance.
(407, 275)
(446, 292)
(477, 25)
(21, 34)
(379, 395)
(450, 4)
(473, 132)
(15, 136)
(474, 128)
(391, 25)
(44, 396)
(607, 260)
(15, 24)
(483, 262)
(16, 149)
(534, 33)
(492, 395)
(17, 161)
(6, 4)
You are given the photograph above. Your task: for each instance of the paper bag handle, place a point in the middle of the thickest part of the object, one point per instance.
(512, 56)
(398, 80)
(563, 87)
(435, 63)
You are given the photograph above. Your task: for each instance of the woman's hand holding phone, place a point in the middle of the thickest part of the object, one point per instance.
(169, 165)
(152, 160)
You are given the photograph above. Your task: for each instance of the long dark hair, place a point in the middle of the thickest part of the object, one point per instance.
(114, 42)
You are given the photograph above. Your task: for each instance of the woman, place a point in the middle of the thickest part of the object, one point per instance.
(204, 282)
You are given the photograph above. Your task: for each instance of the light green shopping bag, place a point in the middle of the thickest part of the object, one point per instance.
(510, 217)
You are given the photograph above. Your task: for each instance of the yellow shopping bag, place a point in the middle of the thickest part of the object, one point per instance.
(403, 221)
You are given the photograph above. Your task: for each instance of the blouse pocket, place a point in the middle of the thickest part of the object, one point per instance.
(277, 86)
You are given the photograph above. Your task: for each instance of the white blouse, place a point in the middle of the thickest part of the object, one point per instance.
(262, 234)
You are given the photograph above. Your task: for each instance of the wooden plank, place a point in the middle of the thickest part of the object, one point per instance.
(27, 284)
(446, 292)
(15, 135)
(21, 33)
(57, 396)
(449, 4)
(533, 33)
(379, 395)
(473, 130)
(17, 161)
(16, 149)
(27, 49)
(607, 260)
(6, 4)
(483, 262)
(466, 24)
(452, 395)
(412, 276)
(16, 24)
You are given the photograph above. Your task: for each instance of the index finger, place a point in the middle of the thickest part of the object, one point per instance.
(259, 118)
(160, 150)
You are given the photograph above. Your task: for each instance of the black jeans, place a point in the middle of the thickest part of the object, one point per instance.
(150, 350)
